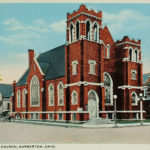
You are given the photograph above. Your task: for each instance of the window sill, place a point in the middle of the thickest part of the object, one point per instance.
(134, 104)
(60, 104)
(34, 105)
(51, 105)
(133, 79)
(106, 58)
(92, 73)
(108, 104)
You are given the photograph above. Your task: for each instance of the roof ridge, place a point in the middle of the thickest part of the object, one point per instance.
(51, 49)
(23, 74)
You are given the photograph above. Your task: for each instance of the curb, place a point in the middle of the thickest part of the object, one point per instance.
(81, 125)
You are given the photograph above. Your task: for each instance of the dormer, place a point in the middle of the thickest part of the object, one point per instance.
(84, 24)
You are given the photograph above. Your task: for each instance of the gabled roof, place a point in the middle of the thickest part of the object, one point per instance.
(6, 90)
(146, 77)
(23, 79)
(52, 63)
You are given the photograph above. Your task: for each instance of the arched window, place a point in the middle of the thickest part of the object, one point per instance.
(18, 98)
(60, 94)
(136, 55)
(77, 31)
(108, 84)
(71, 33)
(139, 56)
(134, 98)
(74, 98)
(95, 32)
(88, 30)
(74, 67)
(51, 95)
(24, 97)
(108, 51)
(130, 54)
(35, 91)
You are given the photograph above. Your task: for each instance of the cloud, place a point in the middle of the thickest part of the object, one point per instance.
(11, 21)
(59, 26)
(126, 21)
(92, 8)
(13, 24)
(39, 21)
(37, 25)
(5, 39)
(20, 38)
(134, 24)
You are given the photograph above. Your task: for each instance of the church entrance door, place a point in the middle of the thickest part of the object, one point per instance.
(92, 108)
(93, 102)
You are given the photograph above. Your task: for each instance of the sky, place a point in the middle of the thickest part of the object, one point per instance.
(42, 26)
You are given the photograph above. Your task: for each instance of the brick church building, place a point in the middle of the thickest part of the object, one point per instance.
(76, 81)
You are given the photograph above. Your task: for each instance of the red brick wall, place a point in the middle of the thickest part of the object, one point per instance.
(55, 83)
(34, 70)
(83, 51)
(21, 108)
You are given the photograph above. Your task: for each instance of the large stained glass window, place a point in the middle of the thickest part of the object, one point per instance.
(35, 91)
(108, 89)
(60, 94)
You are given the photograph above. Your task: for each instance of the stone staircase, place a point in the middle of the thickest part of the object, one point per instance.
(97, 122)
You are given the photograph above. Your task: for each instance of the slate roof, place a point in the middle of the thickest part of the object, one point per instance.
(145, 77)
(52, 64)
(6, 90)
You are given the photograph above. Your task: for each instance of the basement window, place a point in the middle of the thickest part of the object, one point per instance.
(60, 116)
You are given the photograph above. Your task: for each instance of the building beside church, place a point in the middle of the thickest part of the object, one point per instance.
(77, 80)
(5, 96)
(146, 83)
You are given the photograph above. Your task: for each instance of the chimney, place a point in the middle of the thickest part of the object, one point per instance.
(13, 96)
(31, 56)
(14, 84)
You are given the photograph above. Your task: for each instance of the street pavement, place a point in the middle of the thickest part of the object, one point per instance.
(25, 133)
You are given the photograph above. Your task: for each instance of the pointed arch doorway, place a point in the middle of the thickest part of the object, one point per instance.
(93, 103)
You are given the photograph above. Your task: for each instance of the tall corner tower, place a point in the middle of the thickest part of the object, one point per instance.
(84, 24)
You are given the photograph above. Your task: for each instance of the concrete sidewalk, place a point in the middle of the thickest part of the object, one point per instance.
(112, 125)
